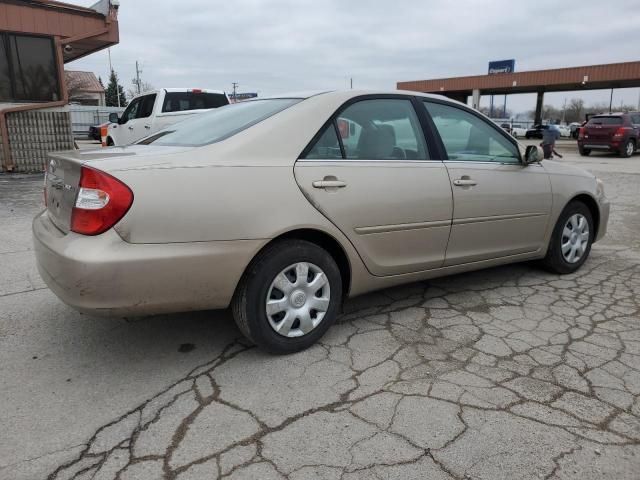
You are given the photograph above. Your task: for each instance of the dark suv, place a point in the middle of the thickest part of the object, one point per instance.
(612, 132)
(534, 132)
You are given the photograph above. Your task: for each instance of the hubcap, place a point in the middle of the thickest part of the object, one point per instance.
(298, 299)
(629, 148)
(575, 238)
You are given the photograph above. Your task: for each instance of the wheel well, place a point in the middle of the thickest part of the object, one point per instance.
(110, 141)
(328, 243)
(593, 208)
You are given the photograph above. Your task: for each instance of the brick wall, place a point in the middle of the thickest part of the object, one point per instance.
(33, 134)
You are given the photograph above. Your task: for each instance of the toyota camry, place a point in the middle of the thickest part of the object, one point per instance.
(283, 207)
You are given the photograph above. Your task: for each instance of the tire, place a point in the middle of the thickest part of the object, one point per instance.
(527, 136)
(110, 142)
(555, 261)
(258, 284)
(627, 150)
(584, 151)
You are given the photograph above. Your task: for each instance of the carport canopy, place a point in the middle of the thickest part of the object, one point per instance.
(592, 77)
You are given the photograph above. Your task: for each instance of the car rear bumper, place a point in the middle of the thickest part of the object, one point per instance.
(604, 146)
(105, 275)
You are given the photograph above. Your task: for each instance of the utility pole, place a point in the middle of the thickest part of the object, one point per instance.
(351, 79)
(564, 109)
(611, 101)
(235, 86)
(137, 81)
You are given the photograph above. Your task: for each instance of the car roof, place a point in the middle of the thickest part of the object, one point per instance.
(349, 93)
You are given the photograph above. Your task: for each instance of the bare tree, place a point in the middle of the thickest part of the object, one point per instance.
(144, 87)
(575, 110)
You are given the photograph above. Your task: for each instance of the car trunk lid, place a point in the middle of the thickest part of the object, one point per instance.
(63, 171)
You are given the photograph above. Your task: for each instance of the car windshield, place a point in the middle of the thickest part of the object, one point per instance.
(219, 124)
(605, 121)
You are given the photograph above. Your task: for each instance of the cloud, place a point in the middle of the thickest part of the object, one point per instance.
(275, 46)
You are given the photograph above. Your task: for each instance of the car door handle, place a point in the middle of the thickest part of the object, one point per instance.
(329, 184)
(148, 127)
(131, 127)
(464, 182)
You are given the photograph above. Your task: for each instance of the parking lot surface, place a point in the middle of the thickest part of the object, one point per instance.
(507, 373)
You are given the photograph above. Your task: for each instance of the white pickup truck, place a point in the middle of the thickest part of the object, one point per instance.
(152, 111)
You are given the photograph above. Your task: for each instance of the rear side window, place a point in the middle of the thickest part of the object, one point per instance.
(327, 146)
(219, 124)
(375, 129)
(635, 119)
(181, 101)
(605, 120)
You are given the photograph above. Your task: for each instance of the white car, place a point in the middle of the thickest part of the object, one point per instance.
(518, 130)
(150, 112)
(565, 131)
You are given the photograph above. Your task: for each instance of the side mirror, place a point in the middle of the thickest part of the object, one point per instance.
(533, 154)
(113, 117)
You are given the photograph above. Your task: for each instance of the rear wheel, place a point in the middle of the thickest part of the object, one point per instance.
(110, 142)
(584, 151)
(571, 240)
(627, 150)
(288, 297)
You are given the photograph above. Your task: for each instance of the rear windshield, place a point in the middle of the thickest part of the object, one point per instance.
(605, 120)
(181, 101)
(219, 124)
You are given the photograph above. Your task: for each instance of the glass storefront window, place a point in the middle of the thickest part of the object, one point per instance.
(28, 70)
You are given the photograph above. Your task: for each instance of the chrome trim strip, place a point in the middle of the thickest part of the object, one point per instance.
(342, 160)
(496, 218)
(474, 162)
(401, 226)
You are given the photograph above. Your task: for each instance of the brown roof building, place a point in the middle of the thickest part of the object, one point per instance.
(84, 88)
(37, 37)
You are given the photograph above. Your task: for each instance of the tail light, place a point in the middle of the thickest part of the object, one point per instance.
(101, 202)
(619, 133)
(581, 133)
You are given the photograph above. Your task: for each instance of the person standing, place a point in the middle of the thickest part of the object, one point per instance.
(550, 133)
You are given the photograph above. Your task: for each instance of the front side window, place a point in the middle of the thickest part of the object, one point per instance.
(131, 112)
(28, 69)
(635, 119)
(219, 124)
(382, 129)
(467, 137)
(146, 106)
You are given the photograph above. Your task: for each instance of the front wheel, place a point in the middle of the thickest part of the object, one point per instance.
(288, 297)
(571, 240)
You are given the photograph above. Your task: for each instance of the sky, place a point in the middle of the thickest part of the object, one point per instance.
(274, 46)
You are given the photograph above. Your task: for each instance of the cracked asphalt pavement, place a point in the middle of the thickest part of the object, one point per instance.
(507, 373)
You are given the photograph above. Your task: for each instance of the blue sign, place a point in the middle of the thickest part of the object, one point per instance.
(502, 66)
